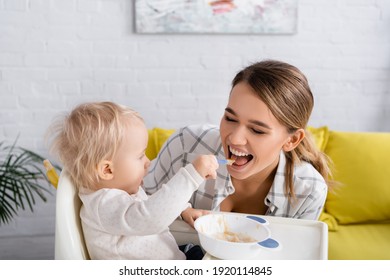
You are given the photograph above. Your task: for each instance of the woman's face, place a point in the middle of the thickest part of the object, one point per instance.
(251, 134)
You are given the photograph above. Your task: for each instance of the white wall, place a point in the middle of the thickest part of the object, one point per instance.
(57, 53)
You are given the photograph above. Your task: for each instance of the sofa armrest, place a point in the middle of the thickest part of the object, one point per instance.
(184, 233)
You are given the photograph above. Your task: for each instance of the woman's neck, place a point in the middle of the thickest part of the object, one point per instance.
(260, 182)
(250, 193)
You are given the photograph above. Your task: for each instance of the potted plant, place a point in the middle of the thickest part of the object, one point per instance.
(21, 180)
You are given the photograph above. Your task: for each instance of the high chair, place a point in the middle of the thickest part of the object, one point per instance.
(69, 239)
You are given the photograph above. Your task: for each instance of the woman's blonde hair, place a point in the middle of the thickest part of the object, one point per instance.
(92, 132)
(286, 92)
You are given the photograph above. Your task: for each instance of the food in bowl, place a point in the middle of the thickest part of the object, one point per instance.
(233, 236)
(224, 232)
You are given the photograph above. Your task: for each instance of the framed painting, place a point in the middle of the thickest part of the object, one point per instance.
(216, 16)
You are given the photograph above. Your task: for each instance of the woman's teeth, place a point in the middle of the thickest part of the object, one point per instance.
(240, 158)
(238, 153)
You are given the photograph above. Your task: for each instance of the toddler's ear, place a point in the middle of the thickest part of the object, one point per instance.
(105, 170)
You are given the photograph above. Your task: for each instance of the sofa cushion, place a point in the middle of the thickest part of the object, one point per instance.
(362, 168)
(360, 242)
(320, 136)
(157, 137)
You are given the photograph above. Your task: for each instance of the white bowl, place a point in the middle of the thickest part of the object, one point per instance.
(229, 236)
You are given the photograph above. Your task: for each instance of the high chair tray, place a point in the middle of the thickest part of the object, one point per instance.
(300, 239)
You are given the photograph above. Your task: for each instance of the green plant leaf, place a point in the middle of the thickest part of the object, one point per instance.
(22, 180)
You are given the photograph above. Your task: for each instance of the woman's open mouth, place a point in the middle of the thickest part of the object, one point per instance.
(240, 158)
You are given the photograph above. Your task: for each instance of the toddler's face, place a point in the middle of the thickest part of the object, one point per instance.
(130, 162)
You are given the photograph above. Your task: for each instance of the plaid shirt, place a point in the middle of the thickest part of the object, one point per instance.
(189, 142)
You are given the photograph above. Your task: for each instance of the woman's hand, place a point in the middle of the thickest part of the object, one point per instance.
(190, 215)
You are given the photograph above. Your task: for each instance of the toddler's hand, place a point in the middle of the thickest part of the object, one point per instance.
(190, 215)
(207, 166)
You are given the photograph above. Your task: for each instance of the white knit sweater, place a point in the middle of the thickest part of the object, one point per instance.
(117, 225)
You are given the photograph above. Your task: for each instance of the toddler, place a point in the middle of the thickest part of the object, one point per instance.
(102, 147)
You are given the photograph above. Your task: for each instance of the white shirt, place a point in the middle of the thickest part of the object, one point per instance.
(187, 143)
(117, 225)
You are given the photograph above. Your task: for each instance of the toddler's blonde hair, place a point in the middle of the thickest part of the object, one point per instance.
(92, 132)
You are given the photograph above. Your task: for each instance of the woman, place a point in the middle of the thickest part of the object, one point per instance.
(278, 171)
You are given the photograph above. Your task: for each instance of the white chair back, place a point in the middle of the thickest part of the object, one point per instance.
(69, 239)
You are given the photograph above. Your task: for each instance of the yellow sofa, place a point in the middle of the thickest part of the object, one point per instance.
(357, 209)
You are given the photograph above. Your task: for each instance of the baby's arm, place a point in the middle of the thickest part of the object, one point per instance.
(163, 207)
(123, 214)
(206, 165)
